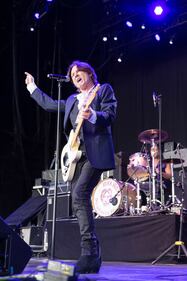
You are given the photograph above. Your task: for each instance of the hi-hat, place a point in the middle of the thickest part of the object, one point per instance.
(152, 134)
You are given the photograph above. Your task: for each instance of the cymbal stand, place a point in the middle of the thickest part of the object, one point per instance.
(173, 196)
(149, 173)
(138, 197)
(153, 174)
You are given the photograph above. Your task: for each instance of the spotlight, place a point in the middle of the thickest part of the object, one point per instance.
(37, 16)
(143, 26)
(119, 59)
(104, 39)
(158, 10)
(128, 23)
(32, 29)
(115, 38)
(171, 41)
(157, 37)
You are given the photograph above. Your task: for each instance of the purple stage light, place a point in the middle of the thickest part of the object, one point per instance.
(128, 23)
(157, 37)
(37, 15)
(158, 10)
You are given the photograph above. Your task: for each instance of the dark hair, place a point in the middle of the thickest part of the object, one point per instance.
(83, 66)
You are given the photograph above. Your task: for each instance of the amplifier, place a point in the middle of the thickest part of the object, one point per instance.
(63, 206)
(33, 236)
(61, 188)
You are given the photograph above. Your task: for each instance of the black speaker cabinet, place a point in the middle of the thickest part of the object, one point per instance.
(14, 252)
(63, 206)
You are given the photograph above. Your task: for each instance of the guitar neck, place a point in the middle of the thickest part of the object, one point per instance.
(80, 120)
(77, 131)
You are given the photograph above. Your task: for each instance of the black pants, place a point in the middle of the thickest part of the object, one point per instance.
(85, 179)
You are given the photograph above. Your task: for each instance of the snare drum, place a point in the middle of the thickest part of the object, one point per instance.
(108, 189)
(137, 168)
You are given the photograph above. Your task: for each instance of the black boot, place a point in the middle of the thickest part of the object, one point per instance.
(88, 264)
(90, 259)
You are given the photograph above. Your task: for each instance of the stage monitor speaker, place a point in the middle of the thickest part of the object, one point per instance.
(63, 208)
(14, 252)
(28, 211)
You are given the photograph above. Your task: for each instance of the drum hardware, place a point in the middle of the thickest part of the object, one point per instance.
(128, 207)
(179, 244)
(153, 137)
(138, 198)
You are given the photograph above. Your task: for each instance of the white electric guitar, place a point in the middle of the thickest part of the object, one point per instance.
(71, 153)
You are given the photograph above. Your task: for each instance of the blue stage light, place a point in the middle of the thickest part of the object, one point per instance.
(158, 10)
(128, 23)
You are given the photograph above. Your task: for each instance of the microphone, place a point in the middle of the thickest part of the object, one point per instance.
(113, 201)
(155, 99)
(58, 77)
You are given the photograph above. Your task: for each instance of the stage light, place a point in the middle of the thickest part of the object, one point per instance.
(158, 10)
(119, 59)
(104, 39)
(115, 38)
(32, 29)
(37, 16)
(128, 23)
(171, 41)
(143, 26)
(157, 37)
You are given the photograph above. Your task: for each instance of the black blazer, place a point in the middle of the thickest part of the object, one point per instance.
(97, 137)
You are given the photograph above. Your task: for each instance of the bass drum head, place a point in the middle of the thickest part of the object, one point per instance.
(101, 195)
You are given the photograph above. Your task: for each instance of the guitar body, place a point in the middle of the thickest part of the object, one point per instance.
(69, 157)
(71, 153)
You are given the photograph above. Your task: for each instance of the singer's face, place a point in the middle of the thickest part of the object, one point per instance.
(81, 79)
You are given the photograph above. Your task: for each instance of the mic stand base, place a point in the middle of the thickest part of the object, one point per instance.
(179, 244)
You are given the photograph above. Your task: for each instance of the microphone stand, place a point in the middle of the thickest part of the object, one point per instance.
(159, 101)
(60, 80)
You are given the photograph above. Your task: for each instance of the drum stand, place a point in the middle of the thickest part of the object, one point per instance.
(173, 196)
(138, 197)
(153, 174)
(153, 177)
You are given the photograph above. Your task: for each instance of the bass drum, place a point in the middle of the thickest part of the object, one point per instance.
(108, 189)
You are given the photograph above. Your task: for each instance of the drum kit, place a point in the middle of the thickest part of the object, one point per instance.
(148, 171)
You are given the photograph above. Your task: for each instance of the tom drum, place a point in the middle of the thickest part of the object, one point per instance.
(137, 168)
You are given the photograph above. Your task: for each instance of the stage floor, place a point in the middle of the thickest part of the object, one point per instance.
(119, 271)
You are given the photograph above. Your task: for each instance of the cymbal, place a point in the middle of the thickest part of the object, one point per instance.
(175, 161)
(152, 134)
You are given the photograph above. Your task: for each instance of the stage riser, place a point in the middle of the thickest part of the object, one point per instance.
(130, 239)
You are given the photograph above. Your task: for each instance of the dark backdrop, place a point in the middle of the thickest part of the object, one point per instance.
(70, 31)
